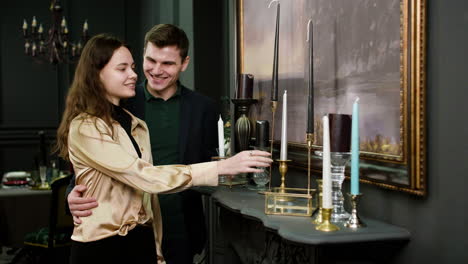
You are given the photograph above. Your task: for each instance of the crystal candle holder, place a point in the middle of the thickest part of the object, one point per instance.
(338, 164)
(260, 179)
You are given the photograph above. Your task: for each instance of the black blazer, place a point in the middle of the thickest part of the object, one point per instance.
(198, 134)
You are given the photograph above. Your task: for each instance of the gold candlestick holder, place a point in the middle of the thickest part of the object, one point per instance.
(310, 140)
(283, 169)
(274, 105)
(326, 225)
(318, 216)
(354, 221)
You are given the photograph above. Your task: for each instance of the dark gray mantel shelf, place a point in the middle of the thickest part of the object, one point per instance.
(300, 229)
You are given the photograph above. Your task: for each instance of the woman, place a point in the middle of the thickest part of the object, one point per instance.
(110, 152)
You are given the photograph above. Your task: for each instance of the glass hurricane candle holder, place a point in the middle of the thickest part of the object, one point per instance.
(261, 179)
(338, 164)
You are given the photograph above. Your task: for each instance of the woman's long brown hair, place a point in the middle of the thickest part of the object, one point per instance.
(87, 93)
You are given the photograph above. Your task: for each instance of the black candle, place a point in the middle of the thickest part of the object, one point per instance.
(340, 132)
(310, 99)
(245, 86)
(274, 88)
(262, 134)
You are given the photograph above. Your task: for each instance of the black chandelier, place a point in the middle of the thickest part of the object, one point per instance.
(55, 47)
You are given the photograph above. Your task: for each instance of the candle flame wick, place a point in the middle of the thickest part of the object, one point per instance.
(269, 5)
(308, 29)
(357, 100)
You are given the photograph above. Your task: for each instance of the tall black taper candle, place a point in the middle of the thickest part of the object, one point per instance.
(310, 99)
(274, 88)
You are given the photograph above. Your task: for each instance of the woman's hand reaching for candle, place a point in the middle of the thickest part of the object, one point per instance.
(244, 162)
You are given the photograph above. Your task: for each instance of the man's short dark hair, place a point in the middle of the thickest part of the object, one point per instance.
(164, 35)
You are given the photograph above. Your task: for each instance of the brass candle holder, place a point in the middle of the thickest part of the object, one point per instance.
(318, 216)
(274, 105)
(354, 221)
(310, 140)
(283, 169)
(326, 225)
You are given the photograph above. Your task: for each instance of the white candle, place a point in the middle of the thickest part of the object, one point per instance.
(284, 124)
(326, 168)
(85, 25)
(221, 137)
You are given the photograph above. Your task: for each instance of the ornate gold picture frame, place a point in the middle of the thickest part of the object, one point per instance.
(374, 50)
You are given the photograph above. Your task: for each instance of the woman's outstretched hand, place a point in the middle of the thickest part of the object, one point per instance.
(244, 162)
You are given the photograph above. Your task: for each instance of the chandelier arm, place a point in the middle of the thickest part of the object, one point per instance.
(54, 45)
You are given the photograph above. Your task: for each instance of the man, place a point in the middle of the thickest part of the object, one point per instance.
(182, 126)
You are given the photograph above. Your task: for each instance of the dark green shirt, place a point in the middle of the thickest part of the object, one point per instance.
(163, 120)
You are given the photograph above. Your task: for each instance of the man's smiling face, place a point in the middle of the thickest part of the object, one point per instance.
(162, 67)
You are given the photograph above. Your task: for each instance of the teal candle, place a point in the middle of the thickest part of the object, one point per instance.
(355, 149)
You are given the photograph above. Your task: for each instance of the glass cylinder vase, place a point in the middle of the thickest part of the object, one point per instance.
(338, 165)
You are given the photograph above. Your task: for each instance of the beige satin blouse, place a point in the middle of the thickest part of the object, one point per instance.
(121, 182)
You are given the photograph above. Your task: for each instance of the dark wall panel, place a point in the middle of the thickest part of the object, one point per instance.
(20, 150)
(208, 48)
(28, 89)
(32, 93)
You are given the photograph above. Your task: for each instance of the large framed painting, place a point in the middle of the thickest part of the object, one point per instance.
(371, 49)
